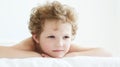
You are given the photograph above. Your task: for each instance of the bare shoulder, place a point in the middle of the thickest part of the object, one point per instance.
(26, 44)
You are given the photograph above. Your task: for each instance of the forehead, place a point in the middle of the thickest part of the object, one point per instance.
(56, 25)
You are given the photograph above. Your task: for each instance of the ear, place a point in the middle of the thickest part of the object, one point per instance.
(34, 36)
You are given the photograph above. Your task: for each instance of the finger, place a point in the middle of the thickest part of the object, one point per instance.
(44, 55)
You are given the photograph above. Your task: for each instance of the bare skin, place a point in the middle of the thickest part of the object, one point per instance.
(9, 52)
(24, 50)
(27, 49)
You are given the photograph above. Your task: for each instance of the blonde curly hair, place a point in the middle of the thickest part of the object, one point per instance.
(54, 10)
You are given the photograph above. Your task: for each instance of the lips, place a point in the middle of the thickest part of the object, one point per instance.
(58, 50)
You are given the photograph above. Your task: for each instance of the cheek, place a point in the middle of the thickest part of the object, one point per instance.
(67, 45)
(68, 42)
(45, 45)
(67, 48)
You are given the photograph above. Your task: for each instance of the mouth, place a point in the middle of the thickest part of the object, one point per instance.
(57, 50)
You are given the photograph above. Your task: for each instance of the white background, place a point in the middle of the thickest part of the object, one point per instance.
(99, 22)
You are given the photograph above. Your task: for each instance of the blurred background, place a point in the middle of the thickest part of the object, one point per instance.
(98, 21)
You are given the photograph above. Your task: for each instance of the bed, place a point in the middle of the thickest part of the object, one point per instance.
(79, 61)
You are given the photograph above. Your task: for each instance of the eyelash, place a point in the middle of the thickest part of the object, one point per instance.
(51, 36)
(66, 37)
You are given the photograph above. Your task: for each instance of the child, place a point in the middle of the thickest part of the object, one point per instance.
(53, 27)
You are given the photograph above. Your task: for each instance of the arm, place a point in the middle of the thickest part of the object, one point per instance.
(76, 50)
(9, 52)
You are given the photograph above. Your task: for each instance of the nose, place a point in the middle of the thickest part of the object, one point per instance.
(59, 42)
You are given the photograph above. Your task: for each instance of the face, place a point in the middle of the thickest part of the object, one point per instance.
(55, 39)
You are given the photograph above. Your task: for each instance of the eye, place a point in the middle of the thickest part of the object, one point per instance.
(51, 36)
(65, 37)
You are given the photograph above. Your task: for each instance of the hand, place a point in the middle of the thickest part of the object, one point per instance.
(45, 56)
(72, 54)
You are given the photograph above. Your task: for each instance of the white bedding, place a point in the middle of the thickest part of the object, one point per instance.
(80, 61)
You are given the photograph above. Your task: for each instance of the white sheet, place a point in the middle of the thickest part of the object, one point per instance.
(80, 61)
